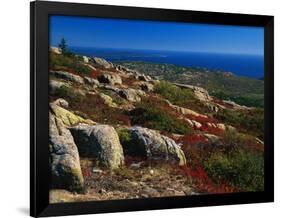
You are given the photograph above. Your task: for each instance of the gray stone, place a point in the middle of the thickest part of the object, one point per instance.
(156, 146)
(64, 158)
(101, 142)
(61, 102)
(91, 81)
(102, 62)
(55, 50)
(67, 76)
(55, 85)
(132, 95)
(111, 79)
(145, 86)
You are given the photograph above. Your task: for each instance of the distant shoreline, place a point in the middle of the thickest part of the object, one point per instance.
(241, 65)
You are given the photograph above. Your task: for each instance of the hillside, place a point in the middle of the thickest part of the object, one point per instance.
(223, 85)
(139, 130)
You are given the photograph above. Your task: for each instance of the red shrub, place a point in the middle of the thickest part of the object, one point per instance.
(203, 183)
(212, 130)
(95, 74)
(192, 139)
(87, 172)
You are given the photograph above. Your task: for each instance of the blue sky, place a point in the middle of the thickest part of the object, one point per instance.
(153, 35)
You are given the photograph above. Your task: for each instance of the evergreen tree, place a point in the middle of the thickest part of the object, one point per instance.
(62, 45)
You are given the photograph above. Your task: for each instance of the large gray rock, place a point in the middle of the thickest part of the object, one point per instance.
(102, 62)
(146, 86)
(143, 77)
(61, 103)
(101, 142)
(64, 158)
(55, 85)
(55, 50)
(91, 81)
(155, 146)
(132, 95)
(67, 76)
(111, 79)
(85, 59)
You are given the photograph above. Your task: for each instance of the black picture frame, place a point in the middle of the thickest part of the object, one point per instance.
(39, 121)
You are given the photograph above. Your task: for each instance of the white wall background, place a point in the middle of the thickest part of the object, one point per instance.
(14, 108)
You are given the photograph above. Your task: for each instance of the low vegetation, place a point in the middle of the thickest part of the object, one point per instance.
(68, 62)
(236, 159)
(150, 114)
(243, 170)
(177, 96)
(250, 122)
(242, 90)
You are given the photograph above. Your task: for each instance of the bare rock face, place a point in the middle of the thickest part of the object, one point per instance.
(55, 85)
(185, 111)
(64, 158)
(61, 102)
(55, 50)
(143, 77)
(200, 93)
(111, 79)
(91, 81)
(146, 86)
(132, 95)
(67, 76)
(236, 106)
(156, 146)
(101, 142)
(68, 118)
(85, 59)
(102, 62)
(107, 100)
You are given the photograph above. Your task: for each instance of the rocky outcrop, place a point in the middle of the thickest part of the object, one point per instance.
(132, 95)
(91, 81)
(156, 146)
(68, 118)
(55, 50)
(102, 63)
(143, 77)
(201, 93)
(85, 59)
(56, 85)
(111, 79)
(146, 86)
(61, 102)
(67, 76)
(64, 158)
(185, 111)
(100, 142)
(213, 107)
(107, 100)
(235, 106)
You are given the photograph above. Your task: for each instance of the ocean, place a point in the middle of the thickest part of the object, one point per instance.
(242, 65)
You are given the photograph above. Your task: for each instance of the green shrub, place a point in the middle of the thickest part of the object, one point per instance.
(174, 94)
(68, 62)
(153, 117)
(69, 94)
(243, 170)
(180, 97)
(124, 136)
(251, 122)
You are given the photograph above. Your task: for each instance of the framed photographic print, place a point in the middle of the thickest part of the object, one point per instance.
(141, 109)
